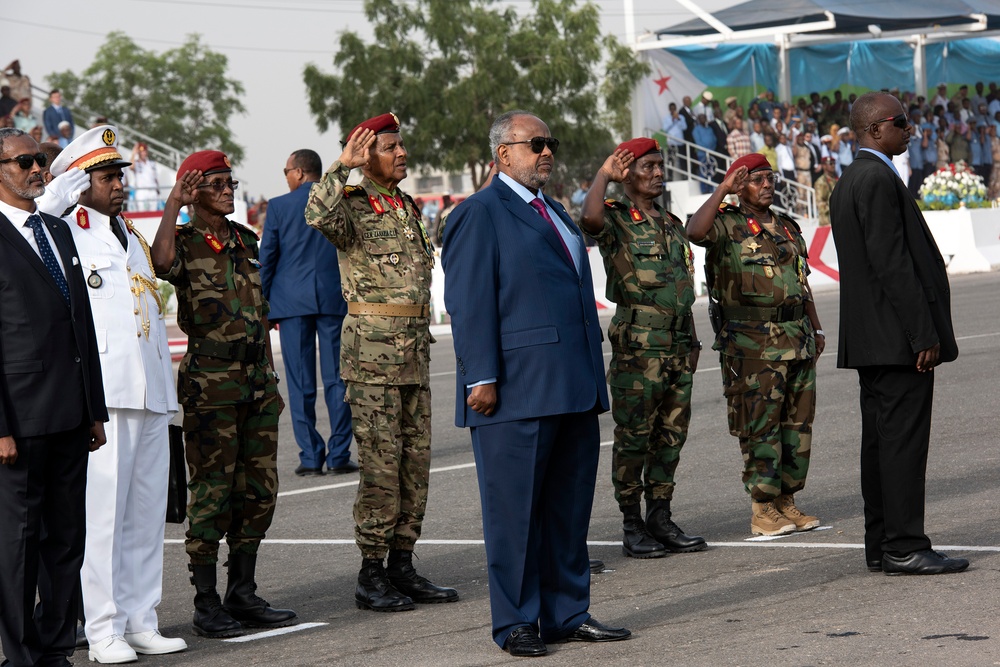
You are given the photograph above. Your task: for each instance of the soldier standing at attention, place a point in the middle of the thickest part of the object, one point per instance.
(386, 259)
(229, 391)
(653, 342)
(769, 337)
(824, 189)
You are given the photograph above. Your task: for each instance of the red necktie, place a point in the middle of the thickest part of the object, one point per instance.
(539, 206)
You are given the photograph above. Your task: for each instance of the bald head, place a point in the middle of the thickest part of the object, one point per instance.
(867, 109)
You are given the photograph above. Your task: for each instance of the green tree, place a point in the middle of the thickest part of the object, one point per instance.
(447, 68)
(181, 97)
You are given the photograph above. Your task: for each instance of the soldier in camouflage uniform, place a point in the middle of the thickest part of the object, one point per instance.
(228, 389)
(769, 337)
(653, 342)
(386, 260)
(824, 189)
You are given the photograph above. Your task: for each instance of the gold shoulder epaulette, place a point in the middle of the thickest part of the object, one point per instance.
(614, 203)
(728, 207)
(352, 189)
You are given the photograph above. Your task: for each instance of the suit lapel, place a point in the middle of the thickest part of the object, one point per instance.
(12, 236)
(528, 215)
(67, 253)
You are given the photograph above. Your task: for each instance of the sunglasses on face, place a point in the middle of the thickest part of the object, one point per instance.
(899, 120)
(539, 143)
(24, 161)
(220, 186)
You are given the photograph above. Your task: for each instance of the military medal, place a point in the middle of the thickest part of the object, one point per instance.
(689, 260)
(254, 263)
(768, 271)
(83, 220)
(394, 259)
(408, 233)
(94, 279)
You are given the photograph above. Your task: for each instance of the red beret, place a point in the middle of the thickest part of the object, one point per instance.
(207, 162)
(387, 122)
(752, 161)
(640, 146)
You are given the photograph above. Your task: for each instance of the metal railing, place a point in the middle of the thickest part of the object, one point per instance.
(689, 161)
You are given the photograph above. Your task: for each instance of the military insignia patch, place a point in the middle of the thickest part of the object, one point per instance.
(394, 258)
(225, 158)
(754, 226)
(108, 136)
(376, 205)
(768, 271)
(213, 243)
(636, 214)
(82, 219)
(351, 189)
(379, 234)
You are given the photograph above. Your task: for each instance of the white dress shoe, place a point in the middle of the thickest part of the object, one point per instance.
(112, 650)
(153, 643)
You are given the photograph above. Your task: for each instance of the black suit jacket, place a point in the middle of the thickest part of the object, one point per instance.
(894, 295)
(50, 371)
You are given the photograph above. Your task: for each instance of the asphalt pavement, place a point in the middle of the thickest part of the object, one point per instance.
(805, 599)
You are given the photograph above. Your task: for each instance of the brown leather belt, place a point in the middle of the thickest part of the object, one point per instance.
(389, 309)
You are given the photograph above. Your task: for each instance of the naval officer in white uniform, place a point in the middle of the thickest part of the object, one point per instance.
(127, 479)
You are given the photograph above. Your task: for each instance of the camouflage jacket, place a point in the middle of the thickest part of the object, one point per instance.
(219, 298)
(649, 265)
(385, 257)
(749, 266)
(824, 188)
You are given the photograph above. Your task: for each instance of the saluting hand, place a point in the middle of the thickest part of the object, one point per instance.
(735, 181)
(185, 190)
(357, 150)
(617, 164)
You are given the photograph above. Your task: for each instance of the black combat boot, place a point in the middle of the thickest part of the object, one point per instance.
(637, 543)
(210, 618)
(242, 601)
(404, 578)
(666, 532)
(374, 590)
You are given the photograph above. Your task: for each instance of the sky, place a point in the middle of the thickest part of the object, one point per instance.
(268, 43)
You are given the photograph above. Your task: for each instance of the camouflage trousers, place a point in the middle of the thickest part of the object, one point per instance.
(651, 406)
(771, 408)
(232, 458)
(392, 429)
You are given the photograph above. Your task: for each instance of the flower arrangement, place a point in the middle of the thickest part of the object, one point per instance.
(953, 186)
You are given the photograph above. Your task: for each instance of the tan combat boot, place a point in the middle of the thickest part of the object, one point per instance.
(767, 520)
(786, 505)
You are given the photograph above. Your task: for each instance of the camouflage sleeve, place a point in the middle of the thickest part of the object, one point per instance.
(609, 233)
(326, 210)
(176, 275)
(715, 232)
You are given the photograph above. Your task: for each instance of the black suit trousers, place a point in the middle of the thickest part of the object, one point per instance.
(42, 524)
(896, 406)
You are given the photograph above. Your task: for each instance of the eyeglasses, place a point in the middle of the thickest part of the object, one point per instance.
(288, 169)
(539, 143)
(220, 186)
(770, 177)
(24, 161)
(899, 120)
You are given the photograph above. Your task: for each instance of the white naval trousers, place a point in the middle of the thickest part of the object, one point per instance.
(122, 572)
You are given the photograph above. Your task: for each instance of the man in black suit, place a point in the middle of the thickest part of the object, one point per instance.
(51, 414)
(895, 327)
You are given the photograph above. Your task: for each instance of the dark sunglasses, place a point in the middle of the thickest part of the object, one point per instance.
(539, 143)
(24, 161)
(899, 120)
(220, 186)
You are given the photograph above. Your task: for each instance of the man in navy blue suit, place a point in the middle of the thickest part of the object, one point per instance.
(301, 281)
(530, 387)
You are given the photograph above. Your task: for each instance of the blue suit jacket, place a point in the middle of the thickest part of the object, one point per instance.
(519, 310)
(298, 266)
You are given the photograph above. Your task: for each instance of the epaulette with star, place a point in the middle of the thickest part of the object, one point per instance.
(614, 204)
(350, 190)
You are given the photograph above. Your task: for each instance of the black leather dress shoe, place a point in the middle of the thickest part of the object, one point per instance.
(303, 471)
(596, 566)
(524, 642)
(350, 466)
(926, 561)
(595, 631)
(874, 564)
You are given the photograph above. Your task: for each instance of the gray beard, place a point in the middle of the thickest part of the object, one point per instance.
(530, 178)
(27, 192)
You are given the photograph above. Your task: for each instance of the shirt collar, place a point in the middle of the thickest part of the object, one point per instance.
(17, 216)
(521, 191)
(884, 158)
